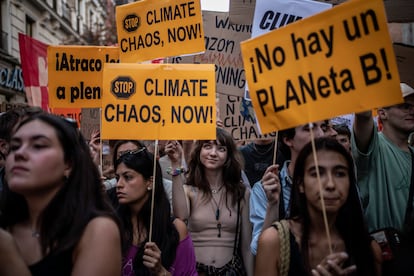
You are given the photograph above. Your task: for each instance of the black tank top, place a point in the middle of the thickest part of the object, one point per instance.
(296, 266)
(59, 264)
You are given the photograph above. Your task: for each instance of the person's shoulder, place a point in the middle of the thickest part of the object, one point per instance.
(99, 249)
(101, 233)
(246, 191)
(269, 237)
(181, 228)
(191, 191)
(102, 226)
(102, 220)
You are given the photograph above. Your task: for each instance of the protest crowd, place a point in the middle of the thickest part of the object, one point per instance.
(58, 216)
(320, 198)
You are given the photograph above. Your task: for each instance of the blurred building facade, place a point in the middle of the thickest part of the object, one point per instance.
(53, 22)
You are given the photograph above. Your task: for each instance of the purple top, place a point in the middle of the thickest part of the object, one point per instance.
(127, 267)
(184, 263)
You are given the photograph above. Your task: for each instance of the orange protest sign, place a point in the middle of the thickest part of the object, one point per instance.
(336, 62)
(154, 29)
(75, 74)
(158, 101)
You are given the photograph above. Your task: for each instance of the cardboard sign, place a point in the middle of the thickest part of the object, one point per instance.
(337, 62)
(241, 11)
(152, 29)
(159, 101)
(75, 74)
(239, 119)
(91, 121)
(222, 42)
(405, 62)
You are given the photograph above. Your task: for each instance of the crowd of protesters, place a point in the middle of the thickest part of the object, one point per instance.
(335, 200)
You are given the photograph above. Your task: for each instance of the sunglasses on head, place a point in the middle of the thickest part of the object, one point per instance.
(130, 152)
(72, 122)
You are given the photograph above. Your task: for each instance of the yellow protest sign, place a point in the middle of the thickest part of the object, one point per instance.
(154, 29)
(158, 101)
(75, 74)
(336, 62)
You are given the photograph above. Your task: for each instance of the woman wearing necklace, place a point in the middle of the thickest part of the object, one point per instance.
(215, 203)
(53, 204)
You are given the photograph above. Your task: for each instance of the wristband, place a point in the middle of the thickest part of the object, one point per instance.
(176, 171)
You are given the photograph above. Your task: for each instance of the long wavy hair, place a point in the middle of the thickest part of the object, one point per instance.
(164, 234)
(231, 170)
(350, 220)
(80, 199)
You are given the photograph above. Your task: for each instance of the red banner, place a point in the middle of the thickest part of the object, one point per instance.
(33, 56)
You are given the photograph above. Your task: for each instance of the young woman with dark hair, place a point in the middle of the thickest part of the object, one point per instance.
(213, 201)
(122, 146)
(119, 147)
(170, 251)
(53, 204)
(353, 251)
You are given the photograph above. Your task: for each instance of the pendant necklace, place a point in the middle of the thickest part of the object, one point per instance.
(34, 231)
(217, 212)
(35, 234)
(216, 190)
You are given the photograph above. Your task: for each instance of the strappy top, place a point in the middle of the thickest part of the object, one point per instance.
(296, 266)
